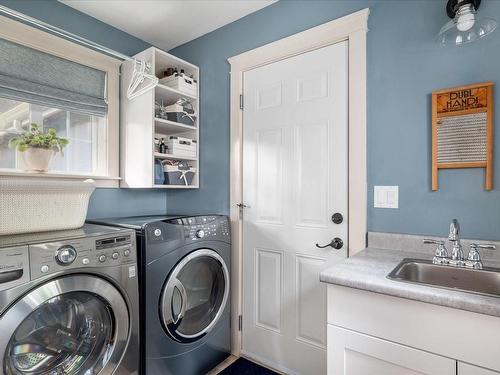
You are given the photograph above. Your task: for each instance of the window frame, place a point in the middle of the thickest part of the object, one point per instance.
(34, 38)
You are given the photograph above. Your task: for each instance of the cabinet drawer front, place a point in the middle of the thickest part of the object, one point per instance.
(466, 369)
(352, 353)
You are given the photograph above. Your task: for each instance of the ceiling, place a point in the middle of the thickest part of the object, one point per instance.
(169, 23)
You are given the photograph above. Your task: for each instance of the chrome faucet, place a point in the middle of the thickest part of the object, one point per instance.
(457, 255)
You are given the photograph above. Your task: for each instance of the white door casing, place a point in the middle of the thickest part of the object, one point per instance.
(353, 28)
(295, 177)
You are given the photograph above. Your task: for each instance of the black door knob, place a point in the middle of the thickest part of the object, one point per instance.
(336, 243)
(337, 218)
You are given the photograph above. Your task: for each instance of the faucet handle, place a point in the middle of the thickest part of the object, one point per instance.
(488, 246)
(474, 258)
(441, 256)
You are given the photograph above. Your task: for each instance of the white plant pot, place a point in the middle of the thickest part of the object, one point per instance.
(37, 159)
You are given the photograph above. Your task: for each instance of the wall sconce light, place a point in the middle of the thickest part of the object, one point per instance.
(466, 25)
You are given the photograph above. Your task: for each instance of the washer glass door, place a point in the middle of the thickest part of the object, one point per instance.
(69, 326)
(194, 296)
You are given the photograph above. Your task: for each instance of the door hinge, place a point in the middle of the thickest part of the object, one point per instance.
(240, 323)
(241, 101)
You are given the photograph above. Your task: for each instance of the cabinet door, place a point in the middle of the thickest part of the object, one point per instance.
(352, 353)
(466, 369)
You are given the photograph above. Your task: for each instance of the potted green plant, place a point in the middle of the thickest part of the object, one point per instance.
(38, 147)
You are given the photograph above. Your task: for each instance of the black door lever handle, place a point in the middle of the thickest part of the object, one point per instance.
(336, 243)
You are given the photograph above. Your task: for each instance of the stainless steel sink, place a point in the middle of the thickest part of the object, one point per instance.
(419, 271)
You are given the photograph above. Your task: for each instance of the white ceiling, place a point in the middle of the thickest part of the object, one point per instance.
(167, 23)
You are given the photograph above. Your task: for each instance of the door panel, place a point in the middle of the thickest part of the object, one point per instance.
(294, 179)
(352, 353)
(311, 306)
(311, 179)
(270, 176)
(269, 294)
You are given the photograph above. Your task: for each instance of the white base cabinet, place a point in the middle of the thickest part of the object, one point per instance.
(352, 353)
(396, 336)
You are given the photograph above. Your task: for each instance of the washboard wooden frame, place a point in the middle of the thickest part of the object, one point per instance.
(462, 130)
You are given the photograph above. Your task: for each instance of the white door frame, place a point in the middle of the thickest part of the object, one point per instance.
(352, 28)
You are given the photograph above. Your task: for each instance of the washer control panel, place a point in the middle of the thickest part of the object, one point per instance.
(101, 251)
(205, 228)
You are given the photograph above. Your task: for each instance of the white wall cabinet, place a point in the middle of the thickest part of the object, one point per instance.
(139, 126)
(466, 369)
(352, 353)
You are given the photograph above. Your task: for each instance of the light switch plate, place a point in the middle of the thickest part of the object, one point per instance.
(386, 196)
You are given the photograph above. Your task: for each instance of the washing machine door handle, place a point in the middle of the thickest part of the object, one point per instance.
(182, 291)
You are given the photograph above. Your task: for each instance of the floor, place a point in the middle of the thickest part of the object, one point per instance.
(230, 360)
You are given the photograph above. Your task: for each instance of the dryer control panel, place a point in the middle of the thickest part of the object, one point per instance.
(205, 228)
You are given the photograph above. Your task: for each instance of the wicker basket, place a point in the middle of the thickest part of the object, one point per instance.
(38, 205)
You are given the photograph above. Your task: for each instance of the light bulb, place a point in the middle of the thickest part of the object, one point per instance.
(465, 17)
(466, 21)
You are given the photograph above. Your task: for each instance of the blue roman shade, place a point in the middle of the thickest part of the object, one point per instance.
(32, 76)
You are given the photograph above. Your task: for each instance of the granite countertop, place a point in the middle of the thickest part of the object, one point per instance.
(368, 270)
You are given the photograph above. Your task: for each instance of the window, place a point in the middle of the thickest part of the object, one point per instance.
(64, 86)
(86, 135)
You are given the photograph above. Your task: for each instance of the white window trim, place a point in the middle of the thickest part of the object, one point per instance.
(32, 37)
(352, 28)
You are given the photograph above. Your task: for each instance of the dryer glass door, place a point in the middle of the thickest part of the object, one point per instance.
(195, 295)
(64, 327)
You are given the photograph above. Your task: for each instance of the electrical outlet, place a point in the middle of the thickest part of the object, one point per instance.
(386, 196)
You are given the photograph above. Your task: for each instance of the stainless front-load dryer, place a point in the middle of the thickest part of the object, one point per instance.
(69, 303)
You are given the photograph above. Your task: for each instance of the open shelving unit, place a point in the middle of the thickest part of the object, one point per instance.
(139, 126)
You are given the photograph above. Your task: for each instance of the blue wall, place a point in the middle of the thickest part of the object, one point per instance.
(405, 65)
(104, 202)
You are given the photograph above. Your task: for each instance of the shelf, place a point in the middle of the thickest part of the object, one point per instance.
(170, 95)
(139, 123)
(170, 127)
(170, 156)
(164, 60)
(175, 186)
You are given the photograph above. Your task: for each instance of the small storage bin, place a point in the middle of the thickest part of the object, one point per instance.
(182, 112)
(180, 146)
(42, 204)
(180, 174)
(181, 117)
(182, 83)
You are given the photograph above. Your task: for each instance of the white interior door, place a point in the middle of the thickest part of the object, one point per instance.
(294, 180)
